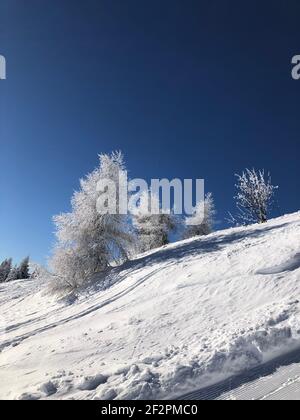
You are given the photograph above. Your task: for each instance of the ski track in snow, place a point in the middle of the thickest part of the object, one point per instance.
(276, 379)
(182, 320)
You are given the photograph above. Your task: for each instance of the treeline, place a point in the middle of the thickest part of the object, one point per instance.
(8, 272)
(89, 242)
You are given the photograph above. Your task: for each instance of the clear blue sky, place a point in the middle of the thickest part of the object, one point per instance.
(192, 88)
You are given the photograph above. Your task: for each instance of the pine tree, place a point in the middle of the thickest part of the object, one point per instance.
(152, 230)
(13, 274)
(23, 269)
(5, 269)
(201, 222)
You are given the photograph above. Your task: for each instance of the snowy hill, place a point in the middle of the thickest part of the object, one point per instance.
(172, 321)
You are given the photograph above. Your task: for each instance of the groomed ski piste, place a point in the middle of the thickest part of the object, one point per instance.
(214, 317)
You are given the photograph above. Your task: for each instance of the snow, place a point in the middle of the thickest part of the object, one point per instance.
(174, 320)
(284, 384)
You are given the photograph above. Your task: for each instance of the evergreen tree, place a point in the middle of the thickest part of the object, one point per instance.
(13, 274)
(23, 269)
(202, 221)
(5, 269)
(152, 230)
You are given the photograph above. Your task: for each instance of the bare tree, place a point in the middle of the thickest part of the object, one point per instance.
(255, 197)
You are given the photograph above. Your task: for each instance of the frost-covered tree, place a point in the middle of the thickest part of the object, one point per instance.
(89, 241)
(255, 197)
(23, 269)
(18, 272)
(37, 271)
(5, 268)
(152, 230)
(201, 222)
(13, 274)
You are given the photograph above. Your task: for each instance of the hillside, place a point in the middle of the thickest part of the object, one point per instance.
(171, 321)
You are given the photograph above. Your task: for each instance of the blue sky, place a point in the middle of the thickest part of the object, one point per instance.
(195, 89)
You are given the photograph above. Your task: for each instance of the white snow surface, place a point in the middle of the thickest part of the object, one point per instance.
(284, 384)
(171, 321)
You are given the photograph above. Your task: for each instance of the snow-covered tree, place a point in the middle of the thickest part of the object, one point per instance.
(254, 199)
(152, 230)
(37, 271)
(201, 222)
(5, 268)
(13, 274)
(23, 269)
(89, 241)
(9, 273)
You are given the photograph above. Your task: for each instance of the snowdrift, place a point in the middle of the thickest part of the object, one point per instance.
(171, 321)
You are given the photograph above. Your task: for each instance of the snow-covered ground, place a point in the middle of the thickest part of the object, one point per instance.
(178, 319)
(277, 379)
(283, 384)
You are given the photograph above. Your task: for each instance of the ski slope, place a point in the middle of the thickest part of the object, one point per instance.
(283, 384)
(170, 323)
(277, 379)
